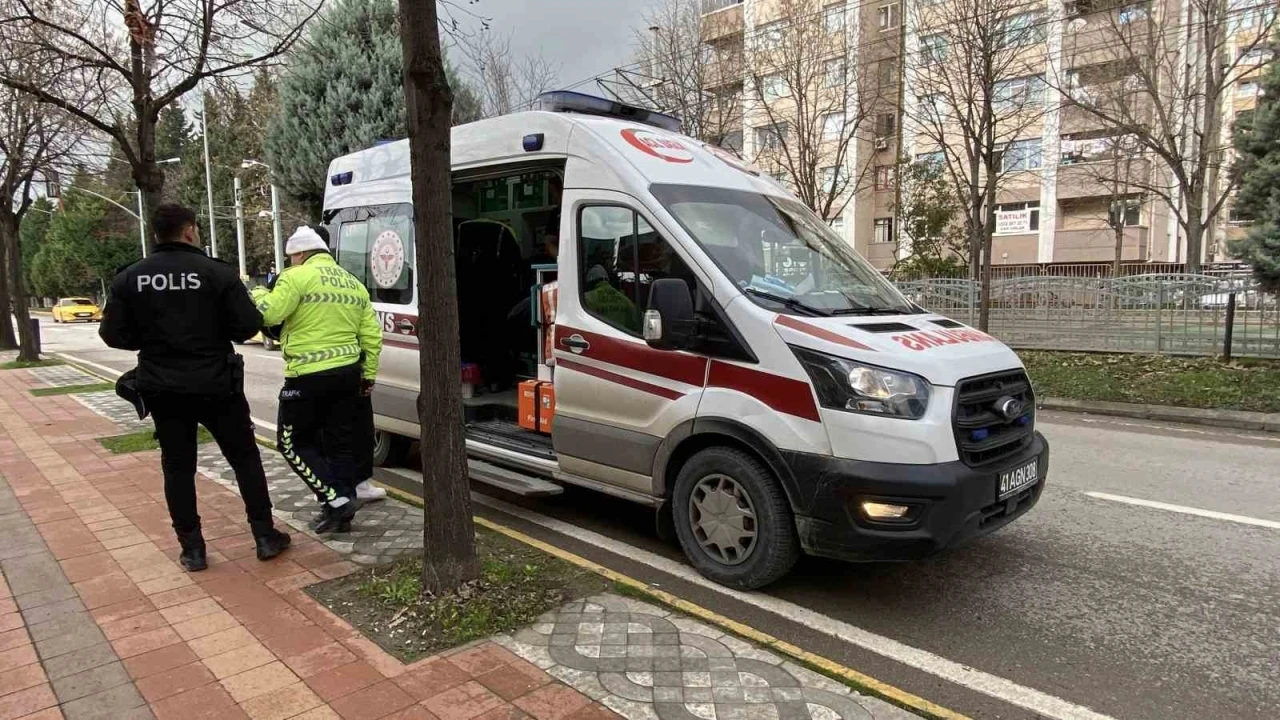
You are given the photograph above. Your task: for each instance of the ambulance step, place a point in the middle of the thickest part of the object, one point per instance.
(511, 480)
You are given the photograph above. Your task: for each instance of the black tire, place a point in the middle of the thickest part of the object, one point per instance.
(389, 449)
(776, 548)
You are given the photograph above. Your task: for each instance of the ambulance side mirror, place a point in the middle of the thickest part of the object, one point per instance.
(669, 322)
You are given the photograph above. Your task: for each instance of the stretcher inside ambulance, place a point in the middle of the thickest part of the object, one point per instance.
(645, 315)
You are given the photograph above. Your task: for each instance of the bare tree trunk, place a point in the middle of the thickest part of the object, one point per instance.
(7, 339)
(12, 271)
(449, 554)
(1118, 228)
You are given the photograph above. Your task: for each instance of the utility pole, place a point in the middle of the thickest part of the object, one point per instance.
(208, 176)
(239, 228)
(277, 234)
(142, 225)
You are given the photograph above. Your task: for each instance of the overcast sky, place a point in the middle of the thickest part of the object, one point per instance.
(582, 37)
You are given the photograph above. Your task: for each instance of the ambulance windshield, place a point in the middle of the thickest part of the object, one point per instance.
(780, 254)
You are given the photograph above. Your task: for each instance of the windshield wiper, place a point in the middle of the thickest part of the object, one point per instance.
(792, 303)
(874, 311)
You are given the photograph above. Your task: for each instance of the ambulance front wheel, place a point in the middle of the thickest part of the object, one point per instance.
(733, 519)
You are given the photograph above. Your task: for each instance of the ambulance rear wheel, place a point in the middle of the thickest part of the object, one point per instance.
(389, 449)
(733, 520)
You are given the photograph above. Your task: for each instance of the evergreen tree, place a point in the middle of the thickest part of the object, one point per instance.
(80, 252)
(173, 135)
(31, 235)
(343, 92)
(1257, 144)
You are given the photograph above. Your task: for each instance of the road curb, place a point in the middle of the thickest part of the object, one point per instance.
(1236, 419)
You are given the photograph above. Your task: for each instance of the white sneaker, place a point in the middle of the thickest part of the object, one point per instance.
(367, 492)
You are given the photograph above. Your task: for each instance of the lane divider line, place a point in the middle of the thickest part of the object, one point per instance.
(1002, 689)
(1212, 514)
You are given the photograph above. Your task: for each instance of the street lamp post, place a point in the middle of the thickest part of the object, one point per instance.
(240, 229)
(208, 182)
(275, 213)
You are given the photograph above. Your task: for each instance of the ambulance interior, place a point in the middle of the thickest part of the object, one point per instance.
(500, 225)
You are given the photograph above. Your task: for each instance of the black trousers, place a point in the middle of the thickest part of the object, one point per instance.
(360, 445)
(316, 430)
(227, 419)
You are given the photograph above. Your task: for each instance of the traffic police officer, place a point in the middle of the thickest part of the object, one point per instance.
(181, 310)
(331, 343)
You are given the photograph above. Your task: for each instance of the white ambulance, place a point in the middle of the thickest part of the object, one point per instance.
(717, 353)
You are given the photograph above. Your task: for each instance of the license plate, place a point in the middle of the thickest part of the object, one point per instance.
(1018, 479)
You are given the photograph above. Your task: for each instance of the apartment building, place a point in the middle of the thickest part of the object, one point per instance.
(1068, 180)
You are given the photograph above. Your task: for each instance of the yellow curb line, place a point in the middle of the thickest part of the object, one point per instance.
(884, 690)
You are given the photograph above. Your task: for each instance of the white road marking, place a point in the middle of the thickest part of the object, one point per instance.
(997, 687)
(113, 374)
(1213, 514)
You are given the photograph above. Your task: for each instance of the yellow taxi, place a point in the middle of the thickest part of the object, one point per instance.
(76, 310)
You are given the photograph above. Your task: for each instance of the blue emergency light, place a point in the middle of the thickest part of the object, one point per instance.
(342, 178)
(533, 143)
(576, 102)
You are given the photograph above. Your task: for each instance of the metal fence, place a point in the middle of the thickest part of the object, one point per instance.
(1164, 312)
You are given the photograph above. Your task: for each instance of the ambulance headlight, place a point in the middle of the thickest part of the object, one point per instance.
(843, 384)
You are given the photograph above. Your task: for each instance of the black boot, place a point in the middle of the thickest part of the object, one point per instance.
(271, 543)
(335, 519)
(193, 557)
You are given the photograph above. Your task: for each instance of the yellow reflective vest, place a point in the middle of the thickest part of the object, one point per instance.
(328, 318)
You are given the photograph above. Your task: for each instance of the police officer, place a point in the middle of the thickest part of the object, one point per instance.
(181, 310)
(331, 342)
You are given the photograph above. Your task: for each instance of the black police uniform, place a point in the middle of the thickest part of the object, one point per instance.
(181, 310)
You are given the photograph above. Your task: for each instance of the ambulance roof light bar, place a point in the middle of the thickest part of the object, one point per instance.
(576, 102)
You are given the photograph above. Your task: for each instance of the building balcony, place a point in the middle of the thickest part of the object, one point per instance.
(1099, 244)
(721, 19)
(1094, 179)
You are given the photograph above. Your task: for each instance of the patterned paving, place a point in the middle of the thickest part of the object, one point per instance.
(644, 662)
(63, 376)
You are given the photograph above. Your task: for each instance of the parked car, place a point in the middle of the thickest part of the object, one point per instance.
(76, 310)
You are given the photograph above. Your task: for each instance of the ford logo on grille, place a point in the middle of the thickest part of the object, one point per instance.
(1009, 408)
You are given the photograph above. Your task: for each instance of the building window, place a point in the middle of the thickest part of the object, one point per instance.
(887, 72)
(1247, 88)
(934, 158)
(837, 225)
(887, 16)
(833, 18)
(884, 177)
(770, 137)
(1024, 29)
(829, 179)
(886, 125)
(771, 36)
(1132, 210)
(882, 230)
(832, 126)
(1021, 155)
(1256, 56)
(1133, 13)
(833, 73)
(1017, 218)
(933, 49)
(732, 141)
(936, 107)
(1237, 216)
(773, 87)
(1018, 92)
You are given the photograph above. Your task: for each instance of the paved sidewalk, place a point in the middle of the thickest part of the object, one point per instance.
(143, 639)
(98, 621)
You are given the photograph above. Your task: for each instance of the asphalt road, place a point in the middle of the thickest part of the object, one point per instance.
(1131, 611)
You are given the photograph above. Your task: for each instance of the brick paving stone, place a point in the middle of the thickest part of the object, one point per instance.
(325, 657)
(469, 700)
(159, 661)
(89, 682)
(173, 681)
(344, 680)
(239, 660)
(287, 702)
(259, 681)
(26, 702)
(432, 678)
(373, 702)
